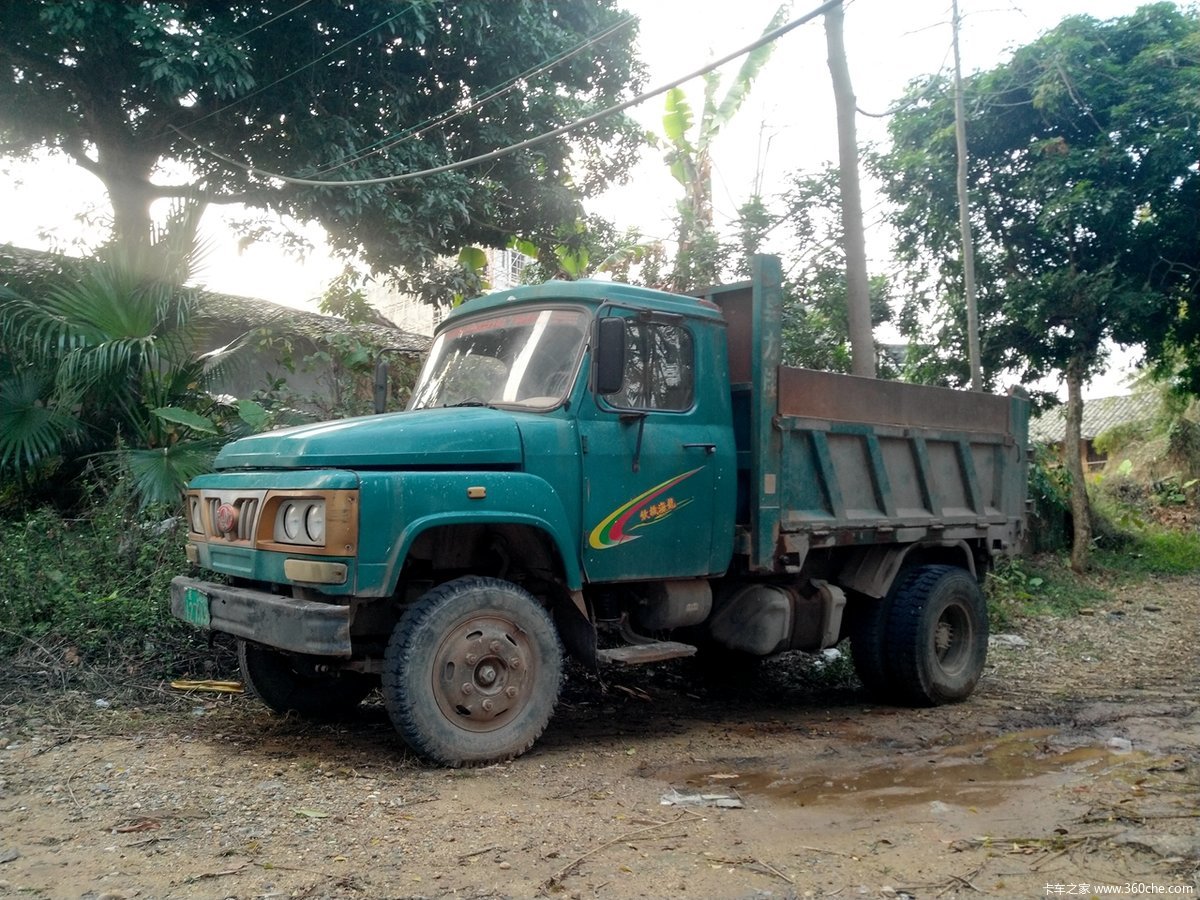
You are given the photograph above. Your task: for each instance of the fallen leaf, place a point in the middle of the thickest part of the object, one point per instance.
(310, 813)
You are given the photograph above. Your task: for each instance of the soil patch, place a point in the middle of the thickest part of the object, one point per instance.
(1076, 764)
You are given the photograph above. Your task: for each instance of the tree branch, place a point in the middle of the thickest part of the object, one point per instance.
(73, 147)
(16, 56)
(195, 192)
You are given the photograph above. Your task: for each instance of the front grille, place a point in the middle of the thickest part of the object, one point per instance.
(214, 503)
(247, 508)
(247, 514)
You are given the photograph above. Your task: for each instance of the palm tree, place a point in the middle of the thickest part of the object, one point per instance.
(105, 358)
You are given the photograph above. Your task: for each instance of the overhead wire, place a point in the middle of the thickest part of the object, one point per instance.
(307, 65)
(489, 94)
(762, 40)
(282, 15)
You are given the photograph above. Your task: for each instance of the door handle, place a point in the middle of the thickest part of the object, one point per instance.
(710, 449)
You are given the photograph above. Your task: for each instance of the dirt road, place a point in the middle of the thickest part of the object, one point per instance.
(1074, 767)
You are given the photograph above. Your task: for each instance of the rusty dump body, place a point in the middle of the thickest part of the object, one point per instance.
(837, 461)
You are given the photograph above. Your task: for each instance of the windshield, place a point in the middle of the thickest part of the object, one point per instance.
(525, 358)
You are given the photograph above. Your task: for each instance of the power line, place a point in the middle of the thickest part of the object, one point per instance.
(272, 19)
(307, 65)
(489, 94)
(764, 39)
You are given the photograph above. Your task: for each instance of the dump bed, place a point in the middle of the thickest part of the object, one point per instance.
(834, 460)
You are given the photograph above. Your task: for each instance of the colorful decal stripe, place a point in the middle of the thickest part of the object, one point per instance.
(612, 530)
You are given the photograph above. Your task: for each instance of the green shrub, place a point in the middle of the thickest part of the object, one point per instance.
(1156, 552)
(1038, 586)
(94, 585)
(1049, 489)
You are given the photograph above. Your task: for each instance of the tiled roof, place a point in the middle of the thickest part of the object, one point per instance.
(249, 312)
(243, 312)
(1099, 415)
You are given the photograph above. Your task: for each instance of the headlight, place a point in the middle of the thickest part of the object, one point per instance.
(301, 521)
(292, 520)
(314, 523)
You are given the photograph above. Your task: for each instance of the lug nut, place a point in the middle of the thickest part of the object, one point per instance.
(514, 662)
(510, 692)
(471, 659)
(488, 705)
(468, 688)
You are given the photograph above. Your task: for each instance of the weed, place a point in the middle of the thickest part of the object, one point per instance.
(1038, 586)
(1155, 552)
(95, 584)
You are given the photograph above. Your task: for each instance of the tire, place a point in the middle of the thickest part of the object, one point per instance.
(937, 634)
(286, 684)
(868, 645)
(472, 672)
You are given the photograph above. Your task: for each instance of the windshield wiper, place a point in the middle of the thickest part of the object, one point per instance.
(467, 403)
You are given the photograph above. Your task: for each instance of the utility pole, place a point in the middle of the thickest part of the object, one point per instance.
(964, 212)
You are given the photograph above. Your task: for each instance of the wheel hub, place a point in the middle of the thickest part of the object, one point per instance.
(952, 639)
(480, 678)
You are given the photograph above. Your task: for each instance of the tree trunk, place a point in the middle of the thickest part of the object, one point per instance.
(858, 298)
(964, 215)
(126, 177)
(1081, 540)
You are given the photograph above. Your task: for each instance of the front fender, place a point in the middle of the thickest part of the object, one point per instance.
(398, 507)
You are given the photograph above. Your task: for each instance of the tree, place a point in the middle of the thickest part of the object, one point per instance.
(858, 300)
(103, 358)
(1086, 204)
(816, 307)
(331, 90)
(689, 155)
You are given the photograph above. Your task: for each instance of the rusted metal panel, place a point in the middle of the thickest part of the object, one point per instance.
(848, 398)
(636, 654)
(302, 626)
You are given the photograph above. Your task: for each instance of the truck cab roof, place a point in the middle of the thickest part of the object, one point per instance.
(592, 292)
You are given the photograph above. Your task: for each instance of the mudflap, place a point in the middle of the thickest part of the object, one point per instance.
(577, 633)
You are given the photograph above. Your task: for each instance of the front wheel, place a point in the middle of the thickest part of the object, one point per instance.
(292, 684)
(937, 633)
(472, 672)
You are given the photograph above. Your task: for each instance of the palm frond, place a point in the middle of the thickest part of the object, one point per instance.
(33, 429)
(159, 476)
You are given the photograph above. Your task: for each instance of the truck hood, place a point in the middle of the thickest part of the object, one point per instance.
(464, 436)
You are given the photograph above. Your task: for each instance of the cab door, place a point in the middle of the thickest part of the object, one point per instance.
(648, 460)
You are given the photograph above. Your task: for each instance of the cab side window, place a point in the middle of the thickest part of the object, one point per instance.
(659, 368)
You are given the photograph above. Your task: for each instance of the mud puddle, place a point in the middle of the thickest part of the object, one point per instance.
(978, 773)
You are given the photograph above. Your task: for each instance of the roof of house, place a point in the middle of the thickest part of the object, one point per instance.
(1099, 415)
(250, 312)
(242, 312)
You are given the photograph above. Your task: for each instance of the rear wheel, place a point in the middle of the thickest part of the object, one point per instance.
(472, 672)
(937, 632)
(288, 683)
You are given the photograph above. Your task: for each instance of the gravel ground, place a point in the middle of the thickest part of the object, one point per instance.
(1076, 764)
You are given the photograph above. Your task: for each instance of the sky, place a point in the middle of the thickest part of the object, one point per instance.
(787, 125)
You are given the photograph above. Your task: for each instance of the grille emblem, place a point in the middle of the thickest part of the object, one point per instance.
(227, 519)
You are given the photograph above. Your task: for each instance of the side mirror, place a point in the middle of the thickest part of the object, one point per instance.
(610, 355)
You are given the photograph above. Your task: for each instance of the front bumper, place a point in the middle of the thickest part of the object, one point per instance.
(302, 626)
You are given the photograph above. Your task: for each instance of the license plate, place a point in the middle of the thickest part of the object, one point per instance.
(195, 608)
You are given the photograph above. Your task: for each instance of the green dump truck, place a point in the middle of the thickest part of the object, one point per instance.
(617, 473)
